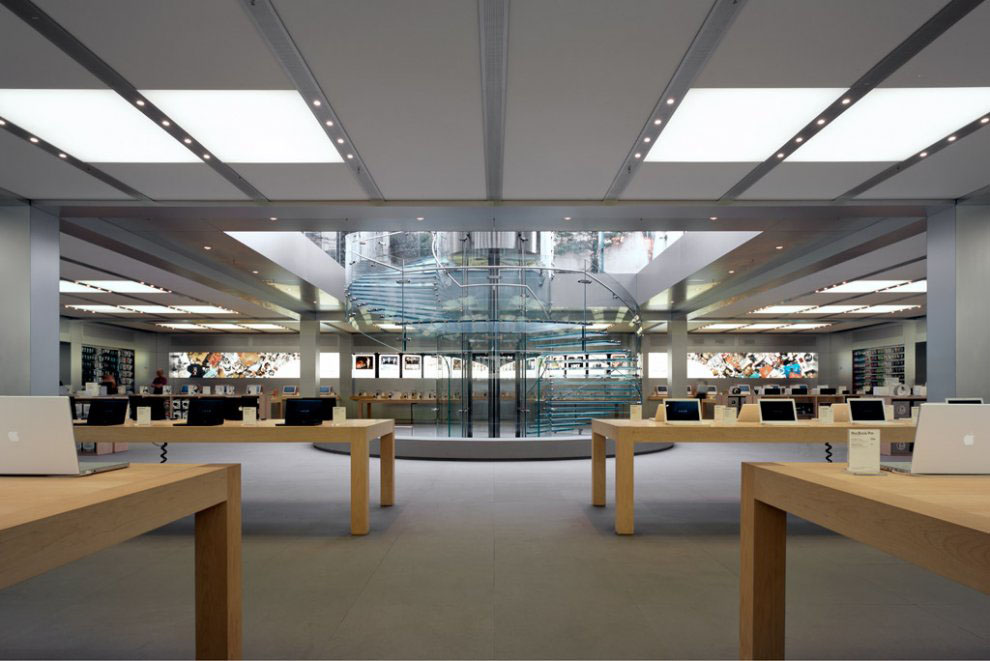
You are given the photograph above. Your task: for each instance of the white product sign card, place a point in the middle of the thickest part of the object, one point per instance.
(635, 411)
(339, 413)
(864, 451)
(249, 416)
(144, 415)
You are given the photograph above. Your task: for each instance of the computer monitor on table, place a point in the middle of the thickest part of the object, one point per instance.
(711, 389)
(682, 411)
(825, 390)
(324, 390)
(107, 412)
(799, 390)
(866, 410)
(963, 400)
(777, 411)
(743, 389)
(303, 412)
(205, 412)
(661, 390)
(772, 390)
(289, 390)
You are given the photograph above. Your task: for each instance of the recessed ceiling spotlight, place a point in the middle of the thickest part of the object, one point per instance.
(646, 139)
(846, 101)
(165, 122)
(731, 272)
(188, 141)
(637, 155)
(340, 141)
(33, 139)
(780, 154)
(670, 101)
(420, 218)
(316, 102)
(820, 121)
(799, 139)
(63, 155)
(329, 122)
(350, 156)
(273, 218)
(657, 122)
(2, 123)
(712, 217)
(207, 247)
(255, 272)
(140, 102)
(780, 247)
(952, 138)
(567, 217)
(206, 157)
(923, 154)
(982, 121)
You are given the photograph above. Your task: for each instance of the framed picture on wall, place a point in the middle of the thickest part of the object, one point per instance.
(363, 366)
(388, 366)
(412, 366)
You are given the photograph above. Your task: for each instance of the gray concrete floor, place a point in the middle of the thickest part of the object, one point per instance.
(491, 560)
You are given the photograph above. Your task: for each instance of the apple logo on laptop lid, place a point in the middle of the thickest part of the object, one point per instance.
(969, 439)
(14, 437)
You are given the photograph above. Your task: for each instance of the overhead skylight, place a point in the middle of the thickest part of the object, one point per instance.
(204, 309)
(832, 309)
(153, 309)
(722, 326)
(96, 126)
(249, 126)
(223, 326)
(109, 309)
(124, 286)
(737, 124)
(917, 287)
(180, 326)
(862, 286)
(782, 309)
(892, 124)
(260, 326)
(69, 287)
(884, 309)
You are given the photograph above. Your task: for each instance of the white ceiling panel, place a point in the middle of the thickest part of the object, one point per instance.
(302, 181)
(957, 58)
(419, 134)
(174, 181)
(35, 174)
(31, 61)
(178, 44)
(809, 43)
(811, 181)
(684, 181)
(948, 174)
(583, 76)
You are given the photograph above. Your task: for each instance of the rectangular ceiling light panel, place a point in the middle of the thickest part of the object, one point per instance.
(832, 309)
(803, 326)
(917, 287)
(182, 326)
(96, 126)
(108, 309)
(124, 286)
(884, 309)
(204, 309)
(272, 327)
(249, 126)
(893, 124)
(69, 287)
(153, 309)
(752, 327)
(728, 125)
(722, 326)
(782, 309)
(224, 326)
(862, 286)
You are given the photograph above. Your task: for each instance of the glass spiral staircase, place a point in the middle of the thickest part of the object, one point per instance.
(524, 348)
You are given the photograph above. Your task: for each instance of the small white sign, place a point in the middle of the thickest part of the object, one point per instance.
(339, 413)
(826, 415)
(864, 451)
(249, 416)
(729, 414)
(635, 411)
(144, 416)
(92, 389)
(915, 412)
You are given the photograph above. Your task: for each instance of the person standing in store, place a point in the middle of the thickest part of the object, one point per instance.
(109, 380)
(159, 382)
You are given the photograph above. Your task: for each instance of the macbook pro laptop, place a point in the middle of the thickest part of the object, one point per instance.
(682, 411)
(777, 411)
(303, 412)
(205, 412)
(772, 390)
(949, 440)
(867, 411)
(106, 412)
(36, 439)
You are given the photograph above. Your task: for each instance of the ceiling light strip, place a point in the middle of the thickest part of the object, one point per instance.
(493, 30)
(933, 28)
(45, 25)
(897, 168)
(707, 39)
(65, 157)
(271, 28)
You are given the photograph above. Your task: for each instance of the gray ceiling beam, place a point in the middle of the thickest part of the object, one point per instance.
(493, 30)
(979, 196)
(273, 30)
(932, 29)
(706, 40)
(65, 157)
(47, 27)
(897, 168)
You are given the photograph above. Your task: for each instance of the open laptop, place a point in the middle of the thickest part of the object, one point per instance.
(204, 412)
(949, 440)
(106, 412)
(682, 411)
(777, 411)
(866, 410)
(963, 400)
(303, 412)
(36, 439)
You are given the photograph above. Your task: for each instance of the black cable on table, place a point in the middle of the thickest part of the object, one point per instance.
(828, 452)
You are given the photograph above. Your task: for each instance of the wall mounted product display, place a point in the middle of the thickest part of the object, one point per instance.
(246, 365)
(878, 366)
(97, 361)
(412, 366)
(752, 365)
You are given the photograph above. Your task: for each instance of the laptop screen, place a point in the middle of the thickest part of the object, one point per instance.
(682, 410)
(826, 391)
(870, 410)
(304, 411)
(771, 390)
(799, 390)
(204, 411)
(104, 412)
(964, 400)
(743, 390)
(777, 410)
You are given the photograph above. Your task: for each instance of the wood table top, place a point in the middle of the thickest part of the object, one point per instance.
(709, 431)
(232, 431)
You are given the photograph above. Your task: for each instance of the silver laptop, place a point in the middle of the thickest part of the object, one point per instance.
(950, 439)
(36, 438)
(682, 411)
(778, 411)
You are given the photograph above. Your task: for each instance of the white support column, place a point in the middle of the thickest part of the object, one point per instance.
(958, 318)
(29, 265)
(346, 347)
(677, 357)
(309, 355)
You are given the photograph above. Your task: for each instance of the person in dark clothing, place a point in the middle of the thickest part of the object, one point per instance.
(159, 383)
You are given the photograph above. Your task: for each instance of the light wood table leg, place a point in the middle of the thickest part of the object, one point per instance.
(387, 454)
(597, 470)
(624, 487)
(360, 487)
(218, 575)
(763, 545)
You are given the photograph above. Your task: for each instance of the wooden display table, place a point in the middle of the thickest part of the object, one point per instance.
(364, 403)
(46, 522)
(626, 433)
(357, 433)
(939, 522)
